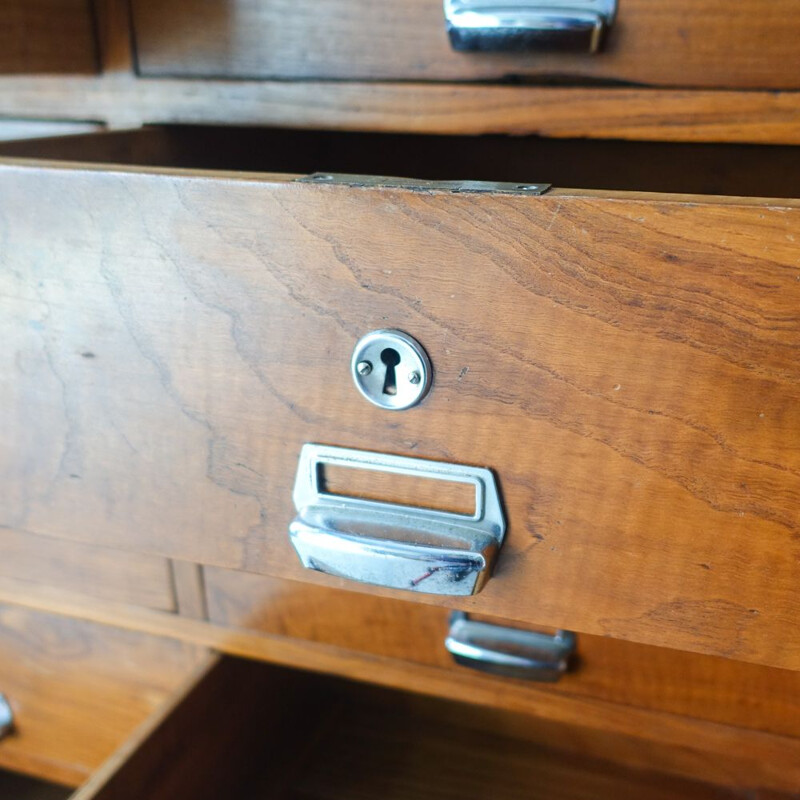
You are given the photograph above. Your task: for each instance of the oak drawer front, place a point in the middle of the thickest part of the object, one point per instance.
(626, 364)
(99, 573)
(697, 43)
(47, 36)
(78, 690)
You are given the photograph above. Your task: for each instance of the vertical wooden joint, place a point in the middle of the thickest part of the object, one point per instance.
(189, 587)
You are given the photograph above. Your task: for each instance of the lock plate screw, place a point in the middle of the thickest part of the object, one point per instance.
(391, 369)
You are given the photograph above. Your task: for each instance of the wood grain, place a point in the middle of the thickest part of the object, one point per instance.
(53, 36)
(714, 689)
(620, 113)
(97, 572)
(679, 745)
(701, 43)
(626, 364)
(78, 689)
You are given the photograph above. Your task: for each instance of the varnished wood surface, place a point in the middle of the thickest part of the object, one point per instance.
(122, 101)
(119, 98)
(626, 365)
(702, 43)
(714, 689)
(79, 689)
(47, 36)
(679, 745)
(97, 572)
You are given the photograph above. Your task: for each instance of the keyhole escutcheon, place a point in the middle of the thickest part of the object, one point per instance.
(391, 369)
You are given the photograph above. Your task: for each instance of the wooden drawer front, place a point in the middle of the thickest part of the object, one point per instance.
(714, 689)
(78, 690)
(661, 42)
(625, 363)
(96, 572)
(47, 36)
(246, 730)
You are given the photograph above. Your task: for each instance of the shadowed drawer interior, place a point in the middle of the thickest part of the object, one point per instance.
(247, 730)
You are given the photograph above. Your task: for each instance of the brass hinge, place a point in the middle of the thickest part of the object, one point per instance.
(414, 185)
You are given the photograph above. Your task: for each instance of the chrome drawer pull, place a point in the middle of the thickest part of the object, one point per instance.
(401, 547)
(6, 717)
(509, 652)
(529, 25)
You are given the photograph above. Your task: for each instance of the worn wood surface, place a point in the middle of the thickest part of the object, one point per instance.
(665, 42)
(121, 101)
(714, 689)
(231, 720)
(78, 689)
(626, 364)
(47, 36)
(679, 745)
(97, 572)
(119, 98)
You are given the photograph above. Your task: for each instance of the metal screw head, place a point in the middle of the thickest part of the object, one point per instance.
(364, 367)
(414, 377)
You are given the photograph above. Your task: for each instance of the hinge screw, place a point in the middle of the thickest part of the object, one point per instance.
(414, 377)
(364, 367)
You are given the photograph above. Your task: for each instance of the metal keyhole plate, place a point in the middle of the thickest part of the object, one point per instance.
(391, 369)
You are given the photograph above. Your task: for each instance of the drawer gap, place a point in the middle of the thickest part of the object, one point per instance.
(710, 169)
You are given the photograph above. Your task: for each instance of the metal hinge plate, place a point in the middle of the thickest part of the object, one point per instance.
(415, 185)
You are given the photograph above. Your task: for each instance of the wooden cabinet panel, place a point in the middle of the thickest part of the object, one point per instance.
(78, 689)
(706, 43)
(714, 689)
(47, 36)
(625, 363)
(98, 572)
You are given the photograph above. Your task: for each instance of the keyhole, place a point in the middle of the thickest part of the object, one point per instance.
(391, 358)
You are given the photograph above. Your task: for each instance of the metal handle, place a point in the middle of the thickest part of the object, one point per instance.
(509, 652)
(529, 25)
(6, 717)
(401, 547)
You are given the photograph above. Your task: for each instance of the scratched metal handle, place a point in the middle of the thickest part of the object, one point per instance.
(385, 544)
(6, 717)
(529, 25)
(509, 652)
